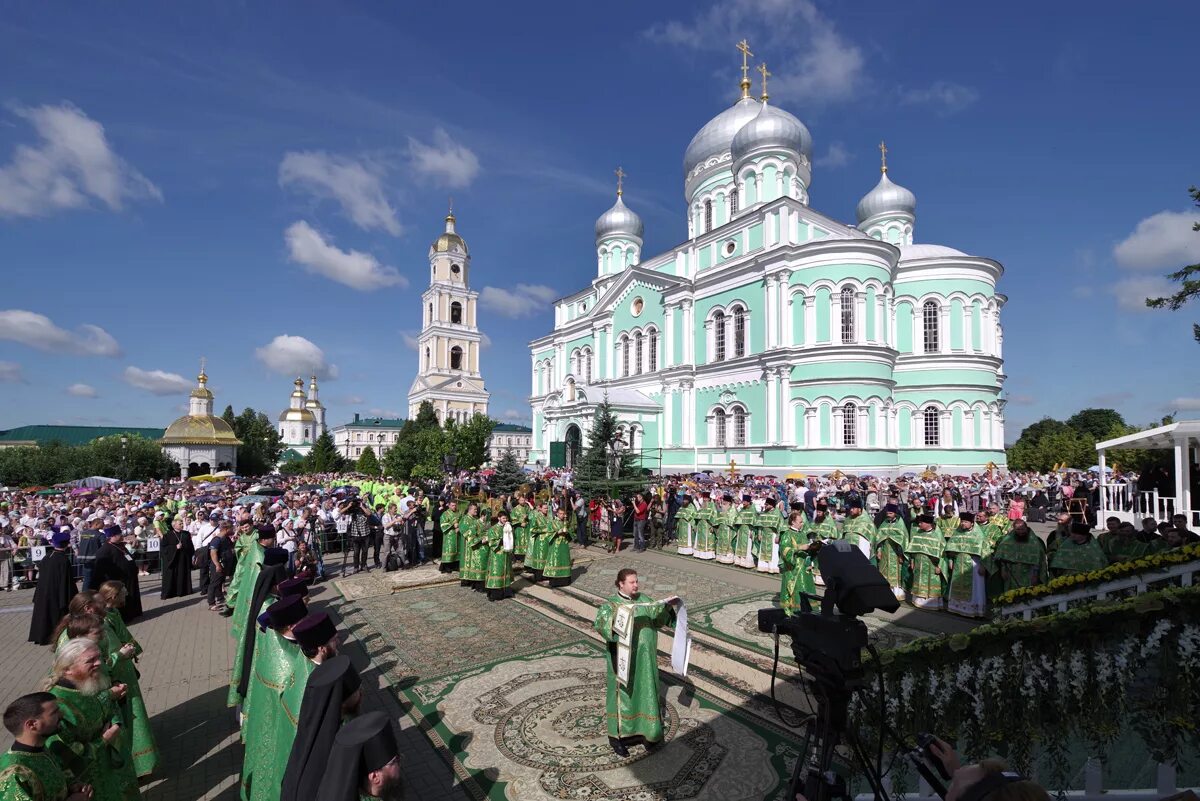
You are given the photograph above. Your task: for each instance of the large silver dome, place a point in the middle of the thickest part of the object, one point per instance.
(620, 219)
(717, 134)
(886, 197)
(772, 128)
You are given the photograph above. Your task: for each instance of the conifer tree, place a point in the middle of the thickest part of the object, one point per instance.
(324, 458)
(600, 471)
(508, 476)
(367, 464)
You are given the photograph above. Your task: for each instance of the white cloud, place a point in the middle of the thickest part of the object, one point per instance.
(1162, 241)
(836, 156)
(70, 166)
(157, 382)
(1020, 400)
(515, 415)
(520, 301)
(350, 400)
(83, 391)
(38, 331)
(946, 97)
(292, 356)
(355, 269)
(1182, 405)
(444, 160)
(485, 341)
(1131, 293)
(410, 339)
(810, 60)
(10, 373)
(356, 185)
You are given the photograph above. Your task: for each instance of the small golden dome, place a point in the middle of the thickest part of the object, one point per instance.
(297, 416)
(200, 430)
(447, 242)
(298, 392)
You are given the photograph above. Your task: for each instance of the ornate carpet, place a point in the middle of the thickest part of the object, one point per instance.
(736, 622)
(515, 701)
(380, 582)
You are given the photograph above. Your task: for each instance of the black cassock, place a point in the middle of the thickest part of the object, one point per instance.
(55, 589)
(114, 564)
(177, 553)
(329, 685)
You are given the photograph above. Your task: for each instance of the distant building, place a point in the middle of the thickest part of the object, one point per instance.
(378, 432)
(304, 420)
(200, 442)
(508, 435)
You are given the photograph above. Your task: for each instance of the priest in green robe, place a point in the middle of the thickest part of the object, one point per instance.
(926, 546)
(144, 748)
(858, 528)
(822, 527)
(891, 540)
(473, 562)
(537, 526)
(723, 522)
(1020, 559)
(28, 772)
(964, 569)
(767, 525)
(501, 540)
(704, 545)
(796, 563)
(274, 570)
(685, 518)
(629, 622)
(519, 518)
(999, 522)
(1078, 553)
(745, 519)
(450, 540)
(558, 550)
(252, 544)
(1123, 545)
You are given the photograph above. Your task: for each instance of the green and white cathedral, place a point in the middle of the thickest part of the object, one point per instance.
(776, 337)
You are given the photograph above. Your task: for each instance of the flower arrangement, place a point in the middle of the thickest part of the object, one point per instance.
(1178, 556)
(1030, 689)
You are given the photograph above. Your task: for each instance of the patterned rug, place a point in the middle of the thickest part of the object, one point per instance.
(515, 701)
(380, 582)
(659, 581)
(737, 622)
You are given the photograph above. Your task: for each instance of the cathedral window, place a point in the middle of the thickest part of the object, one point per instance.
(431, 312)
(456, 312)
(653, 350)
(426, 358)
(637, 340)
(624, 355)
(929, 319)
(933, 434)
(456, 354)
(720, 425)
(718, 324)
(739, 331)
(739, 425)
(306, 433)
(849, 426)
(707, 216)
(847, 304)
(633, 438)
(587, 366)
(733, 202)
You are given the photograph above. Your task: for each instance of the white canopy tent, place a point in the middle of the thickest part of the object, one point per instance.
(1121, 501)
(93, 482)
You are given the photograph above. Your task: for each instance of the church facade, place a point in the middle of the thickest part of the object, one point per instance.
(449, 344)
(304, 419)
(776, 338)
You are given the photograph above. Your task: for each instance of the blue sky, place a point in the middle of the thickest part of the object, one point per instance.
(258, 183)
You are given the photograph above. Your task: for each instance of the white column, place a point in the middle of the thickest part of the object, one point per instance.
(968, 344)
(689, 415)
(943, 328)
(891, 323)
(772, 404)
(969, 429)
(534, 375)
(689, 332)
(810, 320)
(999, 341)
(861, 426)
(668, 338)
(772, 311)
(789, 333)
(782, 417)
(812, 428)
(781, 303)
(881, 320)
(860, 317)
(610, 349)
(986, 329)
(835, 435)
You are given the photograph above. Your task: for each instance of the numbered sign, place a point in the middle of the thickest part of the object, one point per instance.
(153, 545)
(38, 553)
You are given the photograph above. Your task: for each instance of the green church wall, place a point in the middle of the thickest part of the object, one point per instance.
(798, 319)
(904, 423)
(904, 327)
(956, 428)
(943, 287)
(825, 421)
(870, 321)
(821, 302)
(956, 324)
(755, 236)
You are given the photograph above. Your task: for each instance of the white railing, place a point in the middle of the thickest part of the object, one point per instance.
(1128, 505)
(1140, 583)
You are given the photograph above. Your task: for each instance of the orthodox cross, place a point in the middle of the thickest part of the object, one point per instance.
(620, 173)
(883, 156)
(744, 47)
(762, 68)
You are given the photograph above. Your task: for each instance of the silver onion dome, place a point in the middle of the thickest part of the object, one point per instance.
(619, 220)
(772, 128)
(717, 134)
(886, 197)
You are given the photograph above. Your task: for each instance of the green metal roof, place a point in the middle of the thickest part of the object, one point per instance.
(376, 422)
(72, 435)
(291, 455)
(513, 427)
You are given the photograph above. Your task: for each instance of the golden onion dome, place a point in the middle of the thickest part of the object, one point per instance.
(202, 391)
(450, 240)
(200, 430)
(298, 392)
(297, 416)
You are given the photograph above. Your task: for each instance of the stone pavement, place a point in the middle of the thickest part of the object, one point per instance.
(184, 676)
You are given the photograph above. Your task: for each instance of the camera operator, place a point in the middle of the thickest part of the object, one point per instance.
(375, 526)
(358, 530)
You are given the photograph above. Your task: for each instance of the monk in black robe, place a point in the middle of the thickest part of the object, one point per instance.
(177, 551)
(55, 589)
(331, 695)
(364, 761)
(113, 564)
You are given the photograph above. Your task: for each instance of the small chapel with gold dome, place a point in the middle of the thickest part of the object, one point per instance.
(200, 442)
(304, 419)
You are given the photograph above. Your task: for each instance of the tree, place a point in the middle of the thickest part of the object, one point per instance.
(428, 448)
(1049, 442)
(508, 476)
(55, 462)
(426, 417)
(596, 474)
(1102, 424)
(261, 444)
(324, 458)
(1188, 278)
(469, 441)
(367, 464)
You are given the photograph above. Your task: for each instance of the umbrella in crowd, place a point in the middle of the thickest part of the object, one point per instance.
(224, 474)
(50, 492)
(247, 500)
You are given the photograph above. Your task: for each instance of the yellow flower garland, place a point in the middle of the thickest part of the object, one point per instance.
(1179, 556)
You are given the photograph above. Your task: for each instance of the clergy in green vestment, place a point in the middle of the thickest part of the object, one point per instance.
(144, 748)
(451, 542)
(88, 742)
(796, 562)
(964, 569)
(537, 526)
(274, 570)
(891, 538)
(519, 517)
(473, 562)
(744, 539)
(724, 518)
(1123, 545)
(999, 522)
(767, 525)
(685, 518)
(245, 576)
(558, 550)
(28, 772)
(947, 521)
(859, 529)
(1079, 553)
(1019, 559)
(500, 572)
(629, 622)
(924, 551)
(703, 546)
(822, 527)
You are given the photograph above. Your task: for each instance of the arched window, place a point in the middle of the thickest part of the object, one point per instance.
(653, 344)
(431, 312)
(849, 426)
(427, 357)
(847, 301)
(933, 433)
(587, 366)
(456, 358)
(707, 216)
(720, 424)
(929, 319)
(306, 433)
(633, 438)
(637, 341)
(456, 312)
(718, 324)
(624, 355)
(739, 425)
(739, 331)
(733, 202)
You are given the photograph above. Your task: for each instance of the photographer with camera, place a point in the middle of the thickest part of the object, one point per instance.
(358, 531)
